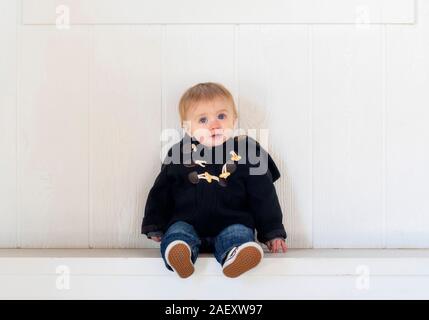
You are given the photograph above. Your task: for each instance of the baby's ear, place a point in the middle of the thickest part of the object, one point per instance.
(186, 125)
(236, 123)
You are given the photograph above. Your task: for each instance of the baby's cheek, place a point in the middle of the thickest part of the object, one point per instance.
(202, 134)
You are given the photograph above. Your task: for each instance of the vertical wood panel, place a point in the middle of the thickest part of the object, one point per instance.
(125, 126)
(407, 136)
(194, 54)
(275, 95)
(53, 137)
(8, 88)
(347, 137)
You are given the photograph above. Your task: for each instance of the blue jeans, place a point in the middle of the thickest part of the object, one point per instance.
(231, 236)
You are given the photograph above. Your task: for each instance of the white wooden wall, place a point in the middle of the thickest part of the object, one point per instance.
(82, 110)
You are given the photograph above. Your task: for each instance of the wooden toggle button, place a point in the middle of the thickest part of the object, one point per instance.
(193, 177)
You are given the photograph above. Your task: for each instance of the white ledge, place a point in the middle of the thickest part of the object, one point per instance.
(141, 274)
(148, 262)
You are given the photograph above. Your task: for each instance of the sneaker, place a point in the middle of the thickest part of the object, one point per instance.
(242, 258)
(178, 256)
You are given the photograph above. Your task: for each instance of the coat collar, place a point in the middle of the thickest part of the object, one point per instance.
(191, 147)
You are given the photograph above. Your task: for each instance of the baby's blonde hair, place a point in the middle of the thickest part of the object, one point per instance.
(206, 91)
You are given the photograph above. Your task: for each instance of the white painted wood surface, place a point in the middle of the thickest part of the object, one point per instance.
(214, 288)
(125, 125)
(82, 110)
(407, 135)
(347, 137)
(8, 99)
(275, 95)
(221, 11)
(124, 274)
(53, 137)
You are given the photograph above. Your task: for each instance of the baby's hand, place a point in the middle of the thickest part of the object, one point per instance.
(276, 244)
(157, 239)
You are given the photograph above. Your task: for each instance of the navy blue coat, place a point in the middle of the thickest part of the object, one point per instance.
(233, 185)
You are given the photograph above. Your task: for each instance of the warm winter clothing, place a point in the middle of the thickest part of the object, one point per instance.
(214, 187)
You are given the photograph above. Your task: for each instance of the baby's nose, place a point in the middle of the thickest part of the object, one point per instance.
(214, 125)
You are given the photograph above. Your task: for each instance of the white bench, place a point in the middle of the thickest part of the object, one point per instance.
(141, 274)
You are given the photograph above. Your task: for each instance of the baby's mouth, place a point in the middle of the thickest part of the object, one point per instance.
(216, 135)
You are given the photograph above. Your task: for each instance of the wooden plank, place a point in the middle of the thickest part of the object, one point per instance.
(53, 137)
(407, 135)
(193, 54)
(8, 92)
(274, 69)
(125, 127)
(221, 11)
(347, 137)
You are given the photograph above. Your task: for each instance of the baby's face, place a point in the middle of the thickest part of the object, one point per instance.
(211, 122)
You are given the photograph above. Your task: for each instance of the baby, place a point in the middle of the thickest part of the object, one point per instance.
(214, 190)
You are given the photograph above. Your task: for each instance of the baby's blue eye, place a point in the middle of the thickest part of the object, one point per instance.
(203, 120)
(221, 116)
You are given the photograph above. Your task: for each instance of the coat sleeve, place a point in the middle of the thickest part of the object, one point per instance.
(263, 201)
(157, 211)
